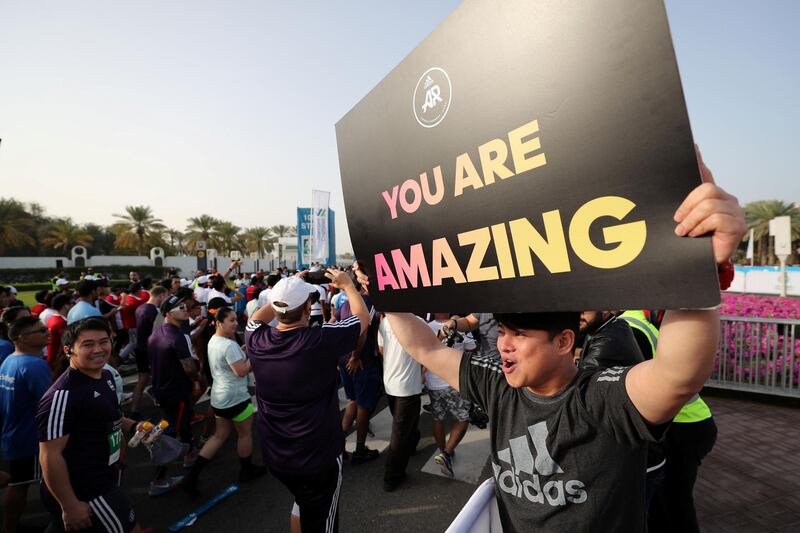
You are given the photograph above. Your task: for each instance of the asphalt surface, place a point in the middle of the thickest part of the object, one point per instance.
(423, 503)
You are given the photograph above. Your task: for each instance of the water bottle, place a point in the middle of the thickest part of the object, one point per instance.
(143, 430)
(156, 433)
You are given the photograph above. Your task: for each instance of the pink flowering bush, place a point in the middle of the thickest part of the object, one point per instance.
(759, 353)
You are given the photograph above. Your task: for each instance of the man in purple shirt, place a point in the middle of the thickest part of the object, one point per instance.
(296, 389)
(145, 318)
(173, 372)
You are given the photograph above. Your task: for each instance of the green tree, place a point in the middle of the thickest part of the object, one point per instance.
(283, 231)
(201, 229)
(102, 239)
(227, 236)
(63, 234)
(16, 225)
(259, 240)
(758, 215)
(138, 224)
(176, 239)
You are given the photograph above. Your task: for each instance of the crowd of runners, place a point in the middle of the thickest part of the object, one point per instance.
(595, 419)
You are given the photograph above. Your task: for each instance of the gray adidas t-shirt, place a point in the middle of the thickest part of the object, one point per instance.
(571, 462)
(487, 331)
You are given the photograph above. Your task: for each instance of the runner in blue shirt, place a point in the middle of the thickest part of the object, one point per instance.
(24, 378)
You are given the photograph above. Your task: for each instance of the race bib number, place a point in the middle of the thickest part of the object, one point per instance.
(114, 441)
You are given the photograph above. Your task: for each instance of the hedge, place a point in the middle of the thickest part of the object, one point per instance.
(21, 276)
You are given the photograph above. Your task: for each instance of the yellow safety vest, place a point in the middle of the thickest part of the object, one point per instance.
(695, 409)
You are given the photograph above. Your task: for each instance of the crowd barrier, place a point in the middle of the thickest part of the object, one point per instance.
(758, 355)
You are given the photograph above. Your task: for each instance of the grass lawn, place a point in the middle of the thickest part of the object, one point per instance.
(27, 297)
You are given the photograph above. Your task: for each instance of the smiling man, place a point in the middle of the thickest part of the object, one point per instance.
(568, 445)
(80, 434)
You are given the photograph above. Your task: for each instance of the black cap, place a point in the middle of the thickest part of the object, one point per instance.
(171, 303)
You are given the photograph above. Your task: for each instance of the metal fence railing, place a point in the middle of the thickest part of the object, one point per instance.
(758, 355)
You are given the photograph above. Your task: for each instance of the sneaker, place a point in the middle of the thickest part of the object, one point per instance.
(389, 485)
(190, 459)
(363, 455)
(445, 462)
(157, 489)
(254, 472)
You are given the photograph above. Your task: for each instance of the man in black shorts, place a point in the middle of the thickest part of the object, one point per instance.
(24, 378)
(80, 438)
(174, 372)
(298, 407)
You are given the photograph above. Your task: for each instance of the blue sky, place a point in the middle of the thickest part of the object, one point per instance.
(228, 108)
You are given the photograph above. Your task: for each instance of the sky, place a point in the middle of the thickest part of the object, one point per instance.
(228, 108)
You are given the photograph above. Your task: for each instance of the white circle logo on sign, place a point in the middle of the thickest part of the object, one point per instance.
(432, 97)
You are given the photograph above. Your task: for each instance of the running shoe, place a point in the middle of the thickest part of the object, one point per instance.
(363, 455)
(445, 462)
(190, 459)
(157, 489)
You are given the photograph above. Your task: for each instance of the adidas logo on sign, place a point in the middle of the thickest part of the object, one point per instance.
(535, 464)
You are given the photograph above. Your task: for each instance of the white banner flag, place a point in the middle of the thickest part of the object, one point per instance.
(319, 225)
(749, 254)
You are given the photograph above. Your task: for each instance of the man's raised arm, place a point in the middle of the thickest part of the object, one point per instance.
(688, 339)
(419, 340)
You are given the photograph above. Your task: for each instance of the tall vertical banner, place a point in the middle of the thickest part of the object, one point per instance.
(319, 225)
(304, 238)
(528, 156)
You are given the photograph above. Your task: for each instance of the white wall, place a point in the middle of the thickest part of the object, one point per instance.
(765, 280)
(32, 262)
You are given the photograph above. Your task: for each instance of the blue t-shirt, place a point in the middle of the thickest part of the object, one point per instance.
(82, 310)
(6, 349)
(296, 389)
(23, 381)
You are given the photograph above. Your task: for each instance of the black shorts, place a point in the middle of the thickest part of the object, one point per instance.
(317, 496)
(230, 413)
(142, 361)
(24, 470)
(111, 513)
(316, 321)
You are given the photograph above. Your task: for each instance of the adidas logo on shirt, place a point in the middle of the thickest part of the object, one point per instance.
(536, 463)
(96, 394)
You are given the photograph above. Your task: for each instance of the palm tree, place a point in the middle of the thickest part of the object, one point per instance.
(175, 240)
(227, 236)
(64, 233)
(139, 221)
(15, 225)
(283, 231)
(201, 229)
(259, 240)
(758, 215)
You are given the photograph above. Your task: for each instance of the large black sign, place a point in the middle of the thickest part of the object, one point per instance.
(528, 156)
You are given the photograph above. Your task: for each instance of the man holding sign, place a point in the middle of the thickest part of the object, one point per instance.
(569, 446)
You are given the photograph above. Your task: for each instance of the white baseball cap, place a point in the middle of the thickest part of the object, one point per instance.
(292, 292)
(62, 281)
(12, 289)
(202, 279)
